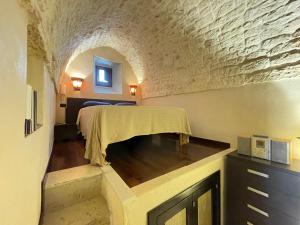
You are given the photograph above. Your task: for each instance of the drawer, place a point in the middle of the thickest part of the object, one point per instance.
(263, 177)
(274, 201)
(260, 187)
(246, 191)
(257, 214)
(273, 180)
(234, 219)
(242, 212)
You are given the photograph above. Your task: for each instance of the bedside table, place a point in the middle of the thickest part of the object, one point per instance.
(65, 131)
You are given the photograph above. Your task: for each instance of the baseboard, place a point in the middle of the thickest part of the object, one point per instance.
(43, 182)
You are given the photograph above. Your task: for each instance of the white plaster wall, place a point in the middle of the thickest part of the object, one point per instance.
(23, 160)
(271, 108)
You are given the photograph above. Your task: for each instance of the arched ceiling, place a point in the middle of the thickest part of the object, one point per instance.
(119, 43)
(178, 46)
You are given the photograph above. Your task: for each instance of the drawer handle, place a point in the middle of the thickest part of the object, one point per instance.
(258, 173)
(258, 192)
(249, 223)
(258, 210)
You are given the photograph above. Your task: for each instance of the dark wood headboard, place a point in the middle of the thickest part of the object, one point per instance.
(75, 104)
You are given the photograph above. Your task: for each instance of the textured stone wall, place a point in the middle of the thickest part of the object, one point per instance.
(179, 46)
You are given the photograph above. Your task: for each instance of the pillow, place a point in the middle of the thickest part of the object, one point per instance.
(125, 103)
(92, 103)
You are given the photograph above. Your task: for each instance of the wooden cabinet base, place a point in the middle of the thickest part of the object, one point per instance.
(197, 205)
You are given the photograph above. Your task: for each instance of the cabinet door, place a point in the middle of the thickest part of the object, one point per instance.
(197, 205)
(206, 203)
(180, 214)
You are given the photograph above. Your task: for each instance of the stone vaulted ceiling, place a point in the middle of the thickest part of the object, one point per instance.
(177, 46)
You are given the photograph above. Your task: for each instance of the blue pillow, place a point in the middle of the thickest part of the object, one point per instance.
(92, 103)
(125, 103)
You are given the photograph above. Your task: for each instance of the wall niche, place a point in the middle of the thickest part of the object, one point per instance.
(35, 81)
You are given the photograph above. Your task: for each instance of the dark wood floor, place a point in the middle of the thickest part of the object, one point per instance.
(139, 159)
(67, 154)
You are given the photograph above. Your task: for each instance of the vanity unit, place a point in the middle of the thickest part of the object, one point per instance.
(260, 192)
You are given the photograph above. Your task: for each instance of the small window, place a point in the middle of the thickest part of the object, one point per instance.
(103, 76)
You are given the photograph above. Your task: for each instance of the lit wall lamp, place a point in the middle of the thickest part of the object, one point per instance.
(133, 89)
(77, 83)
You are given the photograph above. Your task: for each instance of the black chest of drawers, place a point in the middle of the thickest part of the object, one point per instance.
(259, 192)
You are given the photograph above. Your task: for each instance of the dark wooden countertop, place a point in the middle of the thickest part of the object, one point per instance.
(145, 157)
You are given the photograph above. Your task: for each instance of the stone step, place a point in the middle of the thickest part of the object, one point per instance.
(65, 188)
(88, 212)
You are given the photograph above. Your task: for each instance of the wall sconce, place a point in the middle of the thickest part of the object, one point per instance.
(133, 89)
(77, 83)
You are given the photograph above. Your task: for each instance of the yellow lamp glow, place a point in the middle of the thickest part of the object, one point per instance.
(77, 83)
(133, 89)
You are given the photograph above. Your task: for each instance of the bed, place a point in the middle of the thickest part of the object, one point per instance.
(102, 125)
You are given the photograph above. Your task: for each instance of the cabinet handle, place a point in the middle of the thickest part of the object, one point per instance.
(258, 192)
(258, 210)
(194, 204)
(249, 223)
(258, 173)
